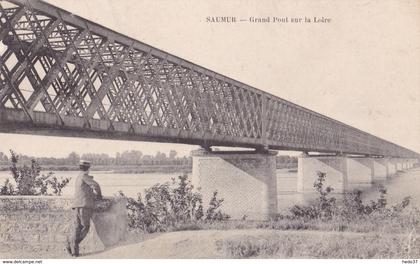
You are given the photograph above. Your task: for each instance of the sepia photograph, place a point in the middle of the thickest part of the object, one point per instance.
(203, 130)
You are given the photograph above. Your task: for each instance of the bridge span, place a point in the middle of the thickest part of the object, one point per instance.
(61, 74)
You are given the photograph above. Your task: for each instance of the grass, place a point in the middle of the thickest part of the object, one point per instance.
(307, 244)
(374, 223)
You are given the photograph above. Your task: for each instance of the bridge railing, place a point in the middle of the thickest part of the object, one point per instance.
(60, 71)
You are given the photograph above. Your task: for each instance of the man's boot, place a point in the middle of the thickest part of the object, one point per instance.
(74, 248)
(68, 248)
(76, 251)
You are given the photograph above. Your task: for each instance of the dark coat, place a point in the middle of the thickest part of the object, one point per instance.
(85, 189)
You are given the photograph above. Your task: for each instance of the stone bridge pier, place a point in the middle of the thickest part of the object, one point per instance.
(247, 181)
(398, 164)
(408, 163)
(345, 173)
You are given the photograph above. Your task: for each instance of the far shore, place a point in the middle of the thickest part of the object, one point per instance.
(118, 168)
(137, 169)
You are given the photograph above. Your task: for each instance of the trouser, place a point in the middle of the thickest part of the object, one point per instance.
(82, 218)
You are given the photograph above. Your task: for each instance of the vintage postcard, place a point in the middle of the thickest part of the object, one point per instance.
(183, 129)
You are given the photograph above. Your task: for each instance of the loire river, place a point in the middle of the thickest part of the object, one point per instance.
(404, 184)
(131, 184)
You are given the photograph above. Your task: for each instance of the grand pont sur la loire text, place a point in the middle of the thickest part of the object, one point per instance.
(267, 19)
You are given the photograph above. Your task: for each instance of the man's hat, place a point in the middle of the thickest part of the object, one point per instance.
(84, 163)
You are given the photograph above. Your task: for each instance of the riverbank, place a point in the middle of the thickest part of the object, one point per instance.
(137, 169)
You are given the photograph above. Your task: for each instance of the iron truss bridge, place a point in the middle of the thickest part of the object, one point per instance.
(63, 75)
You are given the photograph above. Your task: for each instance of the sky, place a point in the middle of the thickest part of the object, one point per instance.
(362, 68)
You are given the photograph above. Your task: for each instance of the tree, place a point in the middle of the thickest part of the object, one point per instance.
(172, 154)
(160, 156)
(117, 158)
(30, 181)
(3, 158)
(73, 158)
(132, 157)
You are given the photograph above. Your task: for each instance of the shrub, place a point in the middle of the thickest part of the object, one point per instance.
(7, 188)
(29, 180)
(213, 213)
(171, 206)
(326, 208)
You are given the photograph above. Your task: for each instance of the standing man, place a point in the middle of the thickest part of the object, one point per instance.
(86, 192)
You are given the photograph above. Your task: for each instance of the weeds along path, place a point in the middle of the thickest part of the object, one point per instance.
(281, 244)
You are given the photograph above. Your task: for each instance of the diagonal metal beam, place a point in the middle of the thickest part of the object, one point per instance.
(11, 22)
(53, 72)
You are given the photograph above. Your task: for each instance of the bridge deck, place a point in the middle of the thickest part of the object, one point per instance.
(62, 74)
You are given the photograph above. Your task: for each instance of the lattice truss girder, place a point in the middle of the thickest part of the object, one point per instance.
(52, 66)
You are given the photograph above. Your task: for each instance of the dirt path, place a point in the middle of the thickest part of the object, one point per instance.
(185, 244)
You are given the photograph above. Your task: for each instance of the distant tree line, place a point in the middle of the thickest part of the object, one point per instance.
(3, 158)
(132, 157)
(286, 160)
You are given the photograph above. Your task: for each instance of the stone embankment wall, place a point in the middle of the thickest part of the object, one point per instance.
(41, 224)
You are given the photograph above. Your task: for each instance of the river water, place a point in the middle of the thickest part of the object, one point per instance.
(404, 184)
(131, 183)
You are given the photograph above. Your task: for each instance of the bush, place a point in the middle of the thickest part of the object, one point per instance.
(324, 206)
(29, 180)
(352, 208)
(213, 212)
(171, 206)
